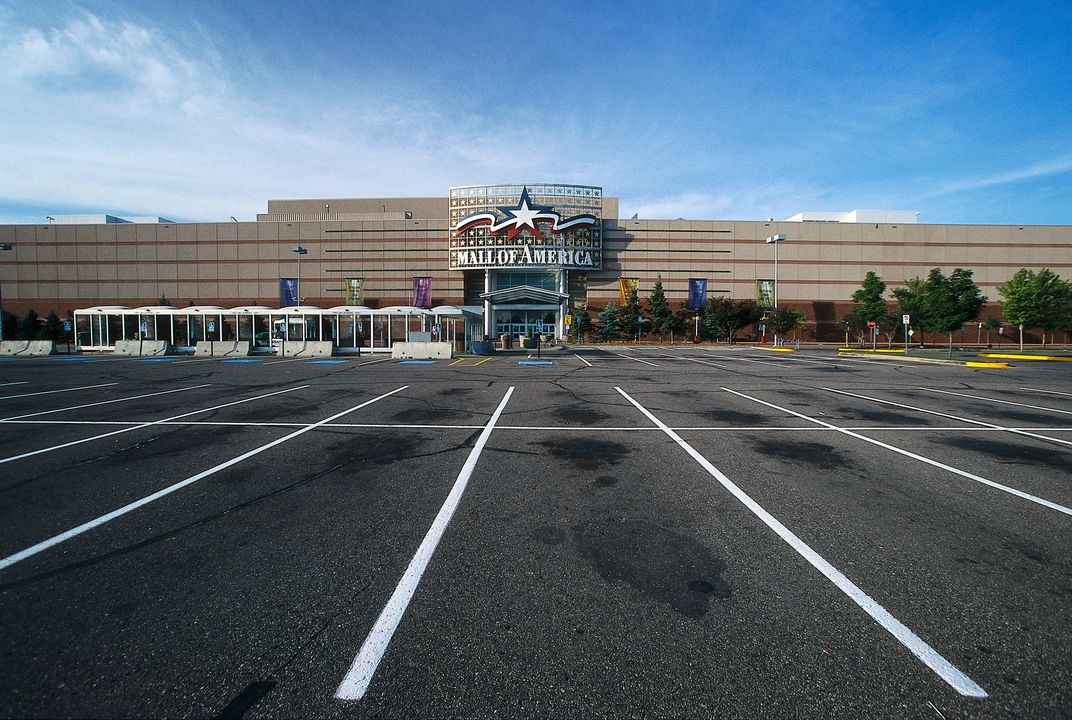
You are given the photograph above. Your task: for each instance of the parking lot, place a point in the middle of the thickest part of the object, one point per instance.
(666, 531)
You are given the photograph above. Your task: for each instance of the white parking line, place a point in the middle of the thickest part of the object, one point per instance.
(103, 402)
(582, 359)
(142, 425)
(914, 456)
(50, 392)
(21, 382)
(373, 362)
(747, 360)
(1017, 431)
(695, 360)
(1051, 392)
(832, 361)
(358, 677)
(627, 357)
(553, 428)
(928, 655)
(1002, 402)
(85, 527)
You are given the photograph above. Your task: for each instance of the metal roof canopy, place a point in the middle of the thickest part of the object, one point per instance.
(525, 292)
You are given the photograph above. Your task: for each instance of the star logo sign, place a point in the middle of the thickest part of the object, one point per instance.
(523, 216)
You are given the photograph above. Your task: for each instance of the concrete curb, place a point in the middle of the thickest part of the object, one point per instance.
(773, 349)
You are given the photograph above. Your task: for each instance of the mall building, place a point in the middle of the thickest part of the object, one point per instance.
(521, 256)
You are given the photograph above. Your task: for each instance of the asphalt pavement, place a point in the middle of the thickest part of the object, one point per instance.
(676, 531)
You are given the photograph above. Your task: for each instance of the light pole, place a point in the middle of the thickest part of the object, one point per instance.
(4, 247)
(299, 250)
(774, 240)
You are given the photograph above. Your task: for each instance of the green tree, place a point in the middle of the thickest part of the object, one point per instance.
(855, 326)
(684, 320)
(610, 323)
(912, 301)
(869, 302)
(1022, 305)
(949, 302)
(582, 323)
(990, 323)
(783, 320)
(9, 325)
(52, 329)
(661, 316)
(1055, 302)
(717, 318)
(29, 325)
(628, 314)
(890, 324)
(745, 313)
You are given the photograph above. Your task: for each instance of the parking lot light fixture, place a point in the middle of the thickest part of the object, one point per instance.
(299, 251)
(3, 247)
(774, 240)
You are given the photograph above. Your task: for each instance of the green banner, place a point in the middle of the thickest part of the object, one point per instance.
(355, 291)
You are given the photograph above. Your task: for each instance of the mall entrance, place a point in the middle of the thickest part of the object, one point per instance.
(527, 322)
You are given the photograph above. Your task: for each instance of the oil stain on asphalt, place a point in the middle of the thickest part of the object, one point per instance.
(667, 567)
(815, 454)
(586, 453)
(1010, 454)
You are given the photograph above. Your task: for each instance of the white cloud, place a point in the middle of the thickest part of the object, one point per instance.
(1056, 166)
(120, 118)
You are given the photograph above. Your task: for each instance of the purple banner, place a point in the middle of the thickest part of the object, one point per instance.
(422, 292)
(288, 292)
(697, 293)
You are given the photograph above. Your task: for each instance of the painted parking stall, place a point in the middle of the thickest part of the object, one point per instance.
(710, 530)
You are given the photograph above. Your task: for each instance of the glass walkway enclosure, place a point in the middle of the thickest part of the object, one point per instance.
(350, 328)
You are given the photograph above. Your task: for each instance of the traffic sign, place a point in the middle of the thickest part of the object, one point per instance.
(539, 326)
(568, 319)
(906, 319)
(66, 326)
(871, 324)
(639, 319)
(361, 327)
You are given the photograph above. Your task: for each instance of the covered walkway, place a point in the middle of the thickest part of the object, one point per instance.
(350, 328)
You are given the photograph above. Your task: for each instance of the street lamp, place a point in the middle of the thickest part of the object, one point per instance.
(4, 247)
(774, 240)
(300, 251)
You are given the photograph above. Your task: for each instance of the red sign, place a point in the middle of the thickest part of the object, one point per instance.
(871, 324)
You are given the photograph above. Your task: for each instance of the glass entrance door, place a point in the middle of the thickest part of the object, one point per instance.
(525, 322)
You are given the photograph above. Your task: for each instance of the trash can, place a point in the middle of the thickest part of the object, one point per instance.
(504, 342)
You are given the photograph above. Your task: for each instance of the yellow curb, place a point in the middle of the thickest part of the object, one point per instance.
(1010, 356)
(976, 364)
(773, 349)
(869, 350)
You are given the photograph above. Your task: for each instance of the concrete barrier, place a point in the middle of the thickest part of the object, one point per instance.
(309, 348)
(27, 348)
(222, 348)
(141, 348)
(422, 351)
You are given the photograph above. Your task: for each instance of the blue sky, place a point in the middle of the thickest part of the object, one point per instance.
(731, 110)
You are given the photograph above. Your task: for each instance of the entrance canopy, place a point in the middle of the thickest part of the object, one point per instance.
(525, 294)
